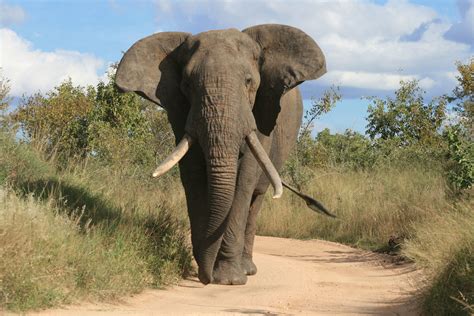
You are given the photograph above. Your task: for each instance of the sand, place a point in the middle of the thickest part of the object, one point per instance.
(295, 277)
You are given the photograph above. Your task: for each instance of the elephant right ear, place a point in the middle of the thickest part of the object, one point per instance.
(150, 69)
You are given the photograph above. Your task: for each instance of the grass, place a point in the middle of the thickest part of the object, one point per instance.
(47, 259)
(98, 232)
(407, 211)
(91, 232)
(371, 207)
(444, 248)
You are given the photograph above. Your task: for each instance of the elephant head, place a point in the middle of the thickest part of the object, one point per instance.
(218, 88)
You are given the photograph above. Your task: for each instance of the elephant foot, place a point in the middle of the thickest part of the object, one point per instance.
(204, 277)
(248, 266)
(228, 273)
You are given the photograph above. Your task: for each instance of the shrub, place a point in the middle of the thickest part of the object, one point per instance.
(77, 123)
(58, 121)
(407, 118)
(460, 164)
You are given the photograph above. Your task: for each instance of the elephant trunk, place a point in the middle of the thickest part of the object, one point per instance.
(221, 150)
(221, 187)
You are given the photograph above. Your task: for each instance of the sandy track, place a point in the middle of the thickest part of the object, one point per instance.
(295, 277)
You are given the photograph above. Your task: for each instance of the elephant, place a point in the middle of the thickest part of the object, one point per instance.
(235, 109)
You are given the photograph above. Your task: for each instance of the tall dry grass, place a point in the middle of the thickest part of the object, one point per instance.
(444, 247)
(371, 206)
(47, 259)
(409, 211)
(98, 232)
(91, 231)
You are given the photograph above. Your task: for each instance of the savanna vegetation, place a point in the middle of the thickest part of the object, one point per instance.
(80, 217)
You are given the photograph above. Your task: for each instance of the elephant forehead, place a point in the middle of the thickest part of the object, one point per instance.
(229, 41)
(213, 36)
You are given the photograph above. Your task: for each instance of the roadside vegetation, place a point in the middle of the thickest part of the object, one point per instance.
(80, 228)
(404, 187)
(80, 217)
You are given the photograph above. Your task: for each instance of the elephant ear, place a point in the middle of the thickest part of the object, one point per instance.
(289, 57)
(150, 69)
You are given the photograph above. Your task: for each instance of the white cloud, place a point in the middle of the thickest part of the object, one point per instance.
(11, 14)
(366, 80)
(367, 45)
(31, 70)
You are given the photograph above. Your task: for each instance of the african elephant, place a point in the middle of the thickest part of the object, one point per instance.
(233, 105)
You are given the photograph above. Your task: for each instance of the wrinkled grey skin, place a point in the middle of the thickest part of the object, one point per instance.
(218, 87)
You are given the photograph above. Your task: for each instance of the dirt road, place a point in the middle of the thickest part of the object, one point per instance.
(295, 277)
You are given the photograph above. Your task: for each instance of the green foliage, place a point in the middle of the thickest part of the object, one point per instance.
(304, 154)
(350, 150)
(118, 128)
(463, 94)
(58, 121)
(460, 135)
(4, 91)
(460, 165)
(19, 161)
(406, 118)
(318, 107)
(72, 122)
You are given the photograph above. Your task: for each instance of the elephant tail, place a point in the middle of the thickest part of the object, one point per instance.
(310, 202)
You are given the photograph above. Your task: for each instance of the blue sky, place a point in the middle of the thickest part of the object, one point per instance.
(369, 45)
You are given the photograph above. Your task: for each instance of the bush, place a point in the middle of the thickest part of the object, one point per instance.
(77, 123)
(460, 164)
(407, 118)
(58, 121)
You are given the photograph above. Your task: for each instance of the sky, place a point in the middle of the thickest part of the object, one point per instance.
(369, 45)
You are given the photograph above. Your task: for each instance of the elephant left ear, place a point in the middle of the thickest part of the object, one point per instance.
(289, 57)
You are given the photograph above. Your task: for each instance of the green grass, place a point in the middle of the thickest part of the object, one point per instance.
(86, 233)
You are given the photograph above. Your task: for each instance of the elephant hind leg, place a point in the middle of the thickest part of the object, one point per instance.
(247, 262)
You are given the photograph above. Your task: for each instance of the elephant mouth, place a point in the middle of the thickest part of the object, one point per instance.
(255, 147)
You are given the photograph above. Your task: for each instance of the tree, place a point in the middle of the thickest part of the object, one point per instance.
(127, 128)
(74, 122)
(463, 94)
(406, 118)
(304, 156)
(58, 121)
(4, 91)
(350, 150)
(460, 136)
(4, 99)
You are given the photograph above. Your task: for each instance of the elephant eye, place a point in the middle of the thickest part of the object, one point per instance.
(248, 80)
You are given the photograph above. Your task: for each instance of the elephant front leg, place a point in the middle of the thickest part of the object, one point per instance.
(250, 230)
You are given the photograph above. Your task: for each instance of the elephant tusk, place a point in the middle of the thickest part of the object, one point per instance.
(178, 153)
(264, 162)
